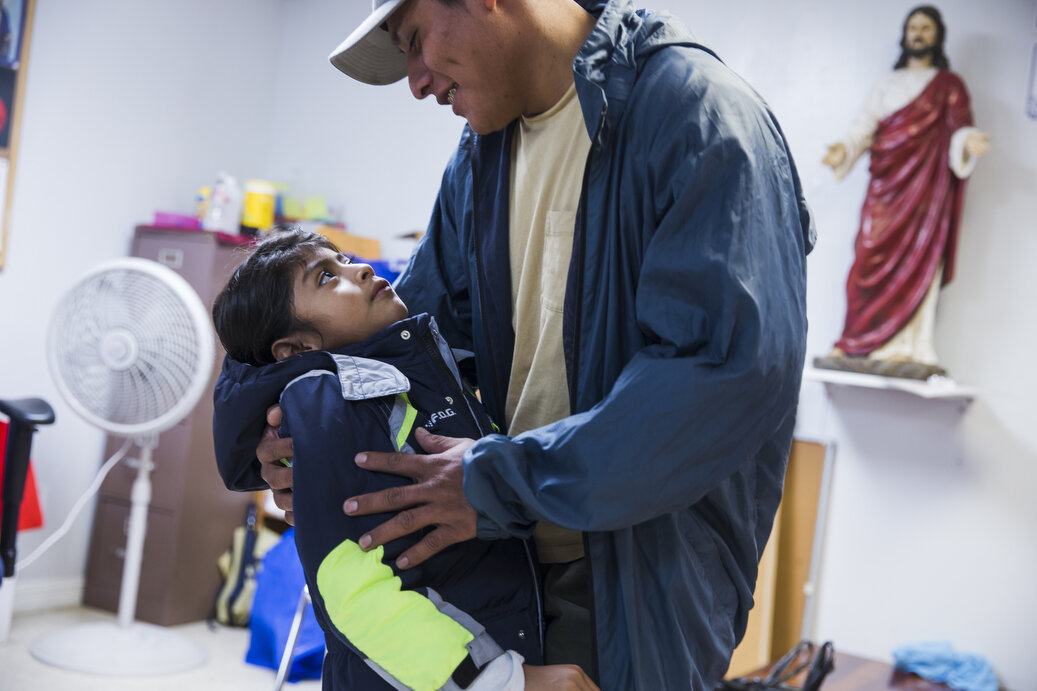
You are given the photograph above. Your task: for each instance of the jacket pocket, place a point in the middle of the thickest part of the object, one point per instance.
(558, 247)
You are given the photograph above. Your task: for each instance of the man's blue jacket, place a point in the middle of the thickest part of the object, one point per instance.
(433, 626)
(684, 340)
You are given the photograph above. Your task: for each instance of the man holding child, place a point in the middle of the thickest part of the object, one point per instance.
(621, 240)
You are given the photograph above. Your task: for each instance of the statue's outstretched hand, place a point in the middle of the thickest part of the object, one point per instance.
(835, 156)
(977, 144)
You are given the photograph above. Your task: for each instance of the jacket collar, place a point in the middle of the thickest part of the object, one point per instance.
(382, 345)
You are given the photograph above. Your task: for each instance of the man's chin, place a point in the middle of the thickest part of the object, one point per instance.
(484, 126)
(481, 128)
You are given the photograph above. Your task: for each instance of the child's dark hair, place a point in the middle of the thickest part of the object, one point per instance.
(255, 308)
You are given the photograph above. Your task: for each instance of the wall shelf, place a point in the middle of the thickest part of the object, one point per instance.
(937, 388)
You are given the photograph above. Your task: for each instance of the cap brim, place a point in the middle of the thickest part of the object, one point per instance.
(368, 55)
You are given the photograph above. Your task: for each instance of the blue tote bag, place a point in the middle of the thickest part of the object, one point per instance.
(278, 587)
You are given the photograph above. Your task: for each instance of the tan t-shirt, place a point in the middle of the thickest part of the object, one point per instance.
(547, 162)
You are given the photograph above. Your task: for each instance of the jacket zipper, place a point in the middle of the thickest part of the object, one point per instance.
(433, 351)
(482, 305)
(579, 252)
(577, 315)
(534, 575)
(573, 385)
(431, 346)
(578, 298)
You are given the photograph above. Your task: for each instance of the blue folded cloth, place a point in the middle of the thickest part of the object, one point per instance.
(938, 661)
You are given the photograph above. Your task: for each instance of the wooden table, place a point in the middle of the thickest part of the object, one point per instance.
(852, 673)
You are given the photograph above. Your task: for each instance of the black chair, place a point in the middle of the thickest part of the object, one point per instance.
(24, 414)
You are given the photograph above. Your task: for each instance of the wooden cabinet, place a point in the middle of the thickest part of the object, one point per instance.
(784, 595)
(192, 515)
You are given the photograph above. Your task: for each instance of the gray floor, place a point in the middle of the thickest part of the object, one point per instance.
(225, 670)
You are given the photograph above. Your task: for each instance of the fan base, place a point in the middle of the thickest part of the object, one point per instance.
(108, 648)
(6, 607)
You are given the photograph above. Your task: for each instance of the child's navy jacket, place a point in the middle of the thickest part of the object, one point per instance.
(429, 627)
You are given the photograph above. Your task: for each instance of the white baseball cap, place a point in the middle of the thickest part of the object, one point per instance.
(368, 55)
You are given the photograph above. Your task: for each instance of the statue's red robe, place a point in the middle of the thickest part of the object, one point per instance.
(909, 222)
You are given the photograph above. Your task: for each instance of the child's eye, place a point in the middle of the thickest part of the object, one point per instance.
(324, 277)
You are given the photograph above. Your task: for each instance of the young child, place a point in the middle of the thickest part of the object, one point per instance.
(330, 341)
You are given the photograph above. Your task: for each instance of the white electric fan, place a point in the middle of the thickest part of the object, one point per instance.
(131, 350)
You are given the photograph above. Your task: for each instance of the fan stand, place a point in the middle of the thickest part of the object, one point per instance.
(124, 647)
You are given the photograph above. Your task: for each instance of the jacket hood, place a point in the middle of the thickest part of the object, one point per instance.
(244, 392)
(614, 52)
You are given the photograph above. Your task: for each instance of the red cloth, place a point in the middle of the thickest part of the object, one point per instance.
(29, 515)
(909, 222)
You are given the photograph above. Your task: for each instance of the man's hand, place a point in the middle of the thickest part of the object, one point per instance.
(557, 677)
(436, 499)
(273, 453)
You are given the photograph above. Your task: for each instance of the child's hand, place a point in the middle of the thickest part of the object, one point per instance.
(275, 456)
(557, 678)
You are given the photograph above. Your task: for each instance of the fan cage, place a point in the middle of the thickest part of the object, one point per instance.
(131, 347)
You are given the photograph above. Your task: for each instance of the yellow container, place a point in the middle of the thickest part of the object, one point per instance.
(260, 198)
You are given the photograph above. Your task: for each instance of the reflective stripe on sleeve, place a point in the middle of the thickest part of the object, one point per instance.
(401, 421)
(400, 630)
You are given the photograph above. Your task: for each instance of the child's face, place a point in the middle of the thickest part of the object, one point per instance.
(346, 302)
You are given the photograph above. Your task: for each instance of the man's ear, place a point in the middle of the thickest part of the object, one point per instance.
(295, 343)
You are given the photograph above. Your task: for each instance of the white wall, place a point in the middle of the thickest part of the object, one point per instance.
(373, 150)
(129, 107)
(932, 532)
(933, 526)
